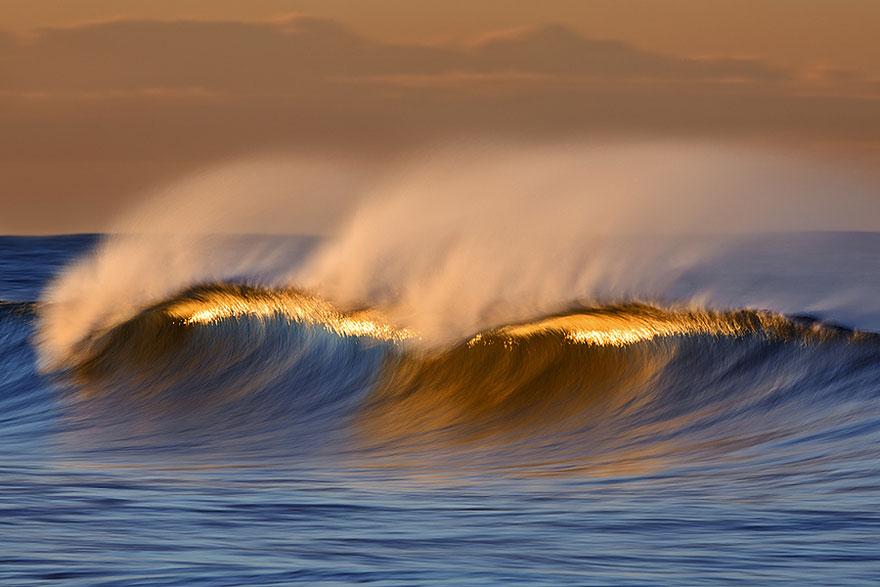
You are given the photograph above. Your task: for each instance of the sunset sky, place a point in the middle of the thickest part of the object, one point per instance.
(102, 99)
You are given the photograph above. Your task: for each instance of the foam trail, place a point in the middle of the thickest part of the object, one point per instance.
(458, 240)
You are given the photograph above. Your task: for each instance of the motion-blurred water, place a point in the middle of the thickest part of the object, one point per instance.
(219, 437)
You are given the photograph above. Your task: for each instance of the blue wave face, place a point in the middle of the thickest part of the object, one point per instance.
(330, 444)
(651, 387)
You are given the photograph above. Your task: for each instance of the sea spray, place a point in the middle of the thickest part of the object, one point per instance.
(457, 239)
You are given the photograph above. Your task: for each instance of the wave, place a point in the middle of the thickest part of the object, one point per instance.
(579, 304)
(593, 385)
(467, 237)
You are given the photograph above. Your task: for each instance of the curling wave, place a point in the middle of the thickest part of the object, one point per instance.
(623, 386)
(431, 324)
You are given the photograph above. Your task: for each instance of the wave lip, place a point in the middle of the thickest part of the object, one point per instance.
(211, 304)
(631, 323)
(615, 325)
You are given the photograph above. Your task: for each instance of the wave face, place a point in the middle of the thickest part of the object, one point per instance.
(621, 388)
(483, 297)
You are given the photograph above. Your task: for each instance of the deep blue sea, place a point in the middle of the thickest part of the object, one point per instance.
(232, 434)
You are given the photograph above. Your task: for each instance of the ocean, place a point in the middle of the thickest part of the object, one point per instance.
(236, 432)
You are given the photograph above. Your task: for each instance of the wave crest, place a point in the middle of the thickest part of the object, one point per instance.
(589, 383)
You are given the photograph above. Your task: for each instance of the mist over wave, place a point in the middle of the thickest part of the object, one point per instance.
(464, 238)
(202, 228)
(476, 237)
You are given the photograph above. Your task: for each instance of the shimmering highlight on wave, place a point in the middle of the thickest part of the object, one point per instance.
(210, 305)
(628, 324)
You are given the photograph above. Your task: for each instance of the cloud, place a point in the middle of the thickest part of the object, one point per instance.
(281, 55)
(119, 105)
(555, 49)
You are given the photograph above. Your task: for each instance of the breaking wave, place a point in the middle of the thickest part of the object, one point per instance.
(626, 387)
(595, 307)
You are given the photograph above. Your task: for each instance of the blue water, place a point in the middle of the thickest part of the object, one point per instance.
(749, 460)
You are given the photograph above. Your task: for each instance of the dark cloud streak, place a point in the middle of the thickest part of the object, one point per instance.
(279, 56)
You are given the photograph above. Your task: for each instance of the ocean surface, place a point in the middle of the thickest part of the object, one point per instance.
(235, 432)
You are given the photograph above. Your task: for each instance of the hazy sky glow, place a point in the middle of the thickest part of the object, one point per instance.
(100, 100)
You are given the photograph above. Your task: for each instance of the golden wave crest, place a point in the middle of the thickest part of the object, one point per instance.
(628, 324)
(213, 305)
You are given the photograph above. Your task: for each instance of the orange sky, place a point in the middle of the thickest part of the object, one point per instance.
(100, 99)
(794, 32)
